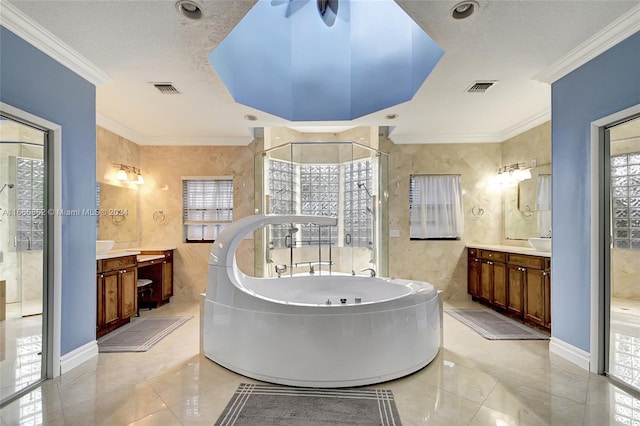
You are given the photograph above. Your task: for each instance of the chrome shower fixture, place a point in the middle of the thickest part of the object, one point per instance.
(7, 185)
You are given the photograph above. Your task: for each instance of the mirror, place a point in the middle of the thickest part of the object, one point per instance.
(118, 213)
(527, 207)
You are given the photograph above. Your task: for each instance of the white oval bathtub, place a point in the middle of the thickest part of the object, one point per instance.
(283, 330)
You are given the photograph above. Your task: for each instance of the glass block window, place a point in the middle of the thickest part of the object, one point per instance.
(30, 202)
(625, 206)
(207, 207)
(319, 195)
(282, 197)
(358, 204)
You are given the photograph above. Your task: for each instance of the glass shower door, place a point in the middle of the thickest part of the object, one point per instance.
(622, 271)
(22, 256)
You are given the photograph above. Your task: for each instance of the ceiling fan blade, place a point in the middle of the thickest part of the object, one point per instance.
(333, 5)
(294, 6)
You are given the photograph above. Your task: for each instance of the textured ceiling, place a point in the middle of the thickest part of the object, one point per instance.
(138, 42)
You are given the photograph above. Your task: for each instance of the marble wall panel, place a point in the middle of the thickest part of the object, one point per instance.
(443, 263)
(112, 149)
(164, 168)
(534, 144)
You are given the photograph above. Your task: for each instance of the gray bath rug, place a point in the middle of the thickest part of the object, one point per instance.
(493, 326)
(140, 334)
(270, 405)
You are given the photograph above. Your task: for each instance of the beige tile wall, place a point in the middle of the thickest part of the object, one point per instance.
(443, 263)
(114, 149)
(164, 167)
(534, 144)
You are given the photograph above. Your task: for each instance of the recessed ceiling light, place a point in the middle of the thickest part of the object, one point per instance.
(250, 117)
(189, 9)
(391, 116)
(464, 9)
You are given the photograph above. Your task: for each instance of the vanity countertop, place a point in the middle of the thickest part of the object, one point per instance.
(509, 249)
(115, 253)
(149, 257)
(153, 248)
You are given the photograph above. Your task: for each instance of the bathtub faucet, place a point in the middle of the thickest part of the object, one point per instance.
(280, 269)
(371, 270)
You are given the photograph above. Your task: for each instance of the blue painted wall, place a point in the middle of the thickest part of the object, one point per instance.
(33, 82)
(603, 86)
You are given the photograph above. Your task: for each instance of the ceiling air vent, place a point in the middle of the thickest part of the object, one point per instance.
(166, 88)
(480, 86)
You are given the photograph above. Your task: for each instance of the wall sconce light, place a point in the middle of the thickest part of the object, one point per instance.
(512, 174)
(123, 174)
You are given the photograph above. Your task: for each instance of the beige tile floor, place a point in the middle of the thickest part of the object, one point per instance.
(473, 381)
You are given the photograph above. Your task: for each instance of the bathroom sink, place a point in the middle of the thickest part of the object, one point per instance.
(540, 244)
(103, 246)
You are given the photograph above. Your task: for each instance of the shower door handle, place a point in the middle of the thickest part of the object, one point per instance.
(347, 239)
(15, 241)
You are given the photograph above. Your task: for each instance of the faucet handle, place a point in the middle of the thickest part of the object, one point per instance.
(371, 270)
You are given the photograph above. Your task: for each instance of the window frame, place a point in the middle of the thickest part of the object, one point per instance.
(412, 194)
(215, 210)
(624, 194)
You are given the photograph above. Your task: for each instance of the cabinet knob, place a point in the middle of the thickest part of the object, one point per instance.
(490, 254)
(489, 263)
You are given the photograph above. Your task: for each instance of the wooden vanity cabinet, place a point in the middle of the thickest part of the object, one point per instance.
(515, 289)
(160, 272)
(519, 284)
(474, 274)
(494, 277)
(116, 292)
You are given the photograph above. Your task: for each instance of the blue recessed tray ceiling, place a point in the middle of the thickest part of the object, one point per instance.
(287, 59)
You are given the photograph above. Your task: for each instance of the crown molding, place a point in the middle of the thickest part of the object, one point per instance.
(33, 33)
(620, 29)
(443, 138)
(526, 124)
(123, 131)
(114, 126)
(198, 140)
(450, 138)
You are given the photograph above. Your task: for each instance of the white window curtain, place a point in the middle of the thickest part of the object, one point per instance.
(436, 206)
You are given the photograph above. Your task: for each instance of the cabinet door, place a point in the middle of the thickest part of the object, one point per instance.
(128, 292)
(167, 279)
(534, 296)
(110, 288)
(473, 278)
(515, 289)
(500, 290)
(547, 299)
(486, 280)
(100, 302)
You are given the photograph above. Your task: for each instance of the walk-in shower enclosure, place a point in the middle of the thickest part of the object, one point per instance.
(345, 180)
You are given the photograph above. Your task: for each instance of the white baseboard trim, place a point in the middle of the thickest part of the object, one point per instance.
(570, 353)
(77, 356)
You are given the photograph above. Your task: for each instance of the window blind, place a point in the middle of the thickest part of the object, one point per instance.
(207, 207)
